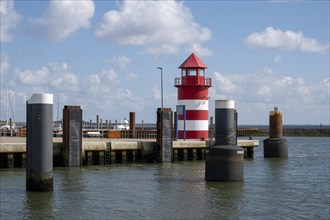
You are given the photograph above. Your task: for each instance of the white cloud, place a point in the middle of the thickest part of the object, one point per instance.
(121, 61)
(62, 19)
(256, 94)
(65, 82)
(161, 26)
(62, 78)
(226, 85)
(4, 59)
(56, 75)
(131, 76)
(166, 49)
(100, 93)
(277, 59)
(109, 76)
(200, 50)
(286, 40)
(32, 78)
(104, 94)
(268, 87)
(102, 83)
(126, 100)
(156, 91)
(9, 20)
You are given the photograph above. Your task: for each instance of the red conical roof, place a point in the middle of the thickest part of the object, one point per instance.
(192, 61)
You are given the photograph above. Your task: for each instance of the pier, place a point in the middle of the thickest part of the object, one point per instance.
(105, 151)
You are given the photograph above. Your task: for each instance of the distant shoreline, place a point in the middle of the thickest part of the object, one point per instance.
(306, 132)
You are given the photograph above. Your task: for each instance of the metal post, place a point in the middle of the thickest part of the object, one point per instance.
(10, 127)
(97, 122)
(161, 82)
(39, 143)
(275, 145)
(224, 161)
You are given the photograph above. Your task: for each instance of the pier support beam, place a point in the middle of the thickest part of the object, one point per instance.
(275, 145)
(72, 136)
(39, 143)
(224, 161)
(10, 160)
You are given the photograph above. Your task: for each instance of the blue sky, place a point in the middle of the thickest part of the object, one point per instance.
(103, 55)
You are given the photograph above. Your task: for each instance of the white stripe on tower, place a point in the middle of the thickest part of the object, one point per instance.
(194, 125)
(195, 104)
(196, 118)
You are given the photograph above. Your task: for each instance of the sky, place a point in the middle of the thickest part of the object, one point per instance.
(103, 56)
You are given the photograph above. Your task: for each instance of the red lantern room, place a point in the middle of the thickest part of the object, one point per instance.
(193, 95)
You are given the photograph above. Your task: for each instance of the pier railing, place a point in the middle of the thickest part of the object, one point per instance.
(193, 81)
(152, 133)
(94, 133)
(138, 134)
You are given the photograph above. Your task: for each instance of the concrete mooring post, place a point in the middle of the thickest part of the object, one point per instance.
(224, 161)
(275, 145)
(164, 134)
(39, 143)
(72, 136)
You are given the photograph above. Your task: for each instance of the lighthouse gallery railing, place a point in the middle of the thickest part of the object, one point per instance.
(193, 81)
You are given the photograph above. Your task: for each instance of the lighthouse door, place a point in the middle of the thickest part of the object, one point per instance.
(180, 112)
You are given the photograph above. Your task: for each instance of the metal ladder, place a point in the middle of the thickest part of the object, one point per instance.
(107, 156)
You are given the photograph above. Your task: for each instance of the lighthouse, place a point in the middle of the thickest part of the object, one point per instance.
(193, 99)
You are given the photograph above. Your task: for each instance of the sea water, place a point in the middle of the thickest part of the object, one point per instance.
(294, 188)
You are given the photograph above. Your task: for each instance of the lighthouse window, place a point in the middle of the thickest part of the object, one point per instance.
(201, 72)
(183, 72)
(192, 72)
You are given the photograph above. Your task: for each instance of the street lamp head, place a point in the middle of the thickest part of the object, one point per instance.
(159, 68)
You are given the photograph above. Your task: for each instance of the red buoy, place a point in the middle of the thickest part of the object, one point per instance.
(193, 94)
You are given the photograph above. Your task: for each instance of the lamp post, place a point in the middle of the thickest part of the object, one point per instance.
(161, 82)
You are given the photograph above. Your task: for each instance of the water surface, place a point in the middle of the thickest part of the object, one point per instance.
(293, 188)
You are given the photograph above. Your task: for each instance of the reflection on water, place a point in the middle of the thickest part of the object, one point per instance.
(293, 188)
(224, 197)
(39, 205)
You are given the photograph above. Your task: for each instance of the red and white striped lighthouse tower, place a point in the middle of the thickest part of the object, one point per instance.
(193, 94)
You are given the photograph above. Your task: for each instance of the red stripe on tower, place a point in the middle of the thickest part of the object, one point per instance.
(193, 93)
(195, 115)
